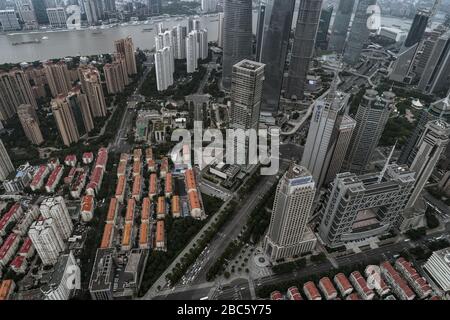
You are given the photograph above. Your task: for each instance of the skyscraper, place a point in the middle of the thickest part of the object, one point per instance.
(65, 120)
(58, 77)
(273, 46)
(114, 77)
(260, 28)
(47, 240)
(324, 25)
(57, 17)
(371, 118)
(81, 110)
(430, 146)
(191, 52)
(15, 89)
(30, 123)
(26, 14)
(303, 47)
(340, 25)
(237, 36)
(323, 133)
(55, 208)
(246, 91)
(344, 136)
(402, 66)
(438, 110)
(425, 50)
(6, 166)
(180, 39)
(359, 33)
(202, 38)
(164, 75)
(40, 11)
(435, 77)
(288, 233)
(94, 92)
(9, 20)
(126, 48)
(220, 30)
(362, 207)
(154, 7)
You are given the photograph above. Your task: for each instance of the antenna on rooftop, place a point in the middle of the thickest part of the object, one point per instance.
(380, 177)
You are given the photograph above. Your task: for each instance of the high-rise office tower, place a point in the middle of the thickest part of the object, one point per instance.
(58, 77)
(435, 77)
(273, 46)
(324, 25)
(303, 47)
(344, 136)
(237, 36)
(6, 166)
(220, 30)
(57, 17)
(209, 5)
(340, 26)
(323, 133)
(359, 32)
(260, 28)
(288, 233)
(438, 110)
(9, 20)
(246, 91)
(154, 7)
(163, 69)
(47, 240)
(26, 14)
(94, 11)
(81, 110)
(180, 39)
(65, 120)
(191, 52)
(401, 68)
(94, 91)
(40, 11)
(114, 77)
(358, 208)
(30, 123)
(126, 48)
(109, 5)
(425, 51)
(430, 146)
(15, 89)
(371, 118)
(55, 208)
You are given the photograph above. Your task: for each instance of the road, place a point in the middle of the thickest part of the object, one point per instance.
(239, 289)
(233, 228)
(120, 141)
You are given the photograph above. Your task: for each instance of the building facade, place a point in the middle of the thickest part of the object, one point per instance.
(340, 26)
(371, 118)
(366, 206)
(237, 36)
(288, 233)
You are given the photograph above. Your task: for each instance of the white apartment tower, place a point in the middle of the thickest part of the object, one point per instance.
(288, 233)
(180, 40)
(164, 74)
(55, 207)
(191, 52)
(47, 240)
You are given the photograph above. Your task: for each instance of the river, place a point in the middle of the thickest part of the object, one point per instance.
(62, 43)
